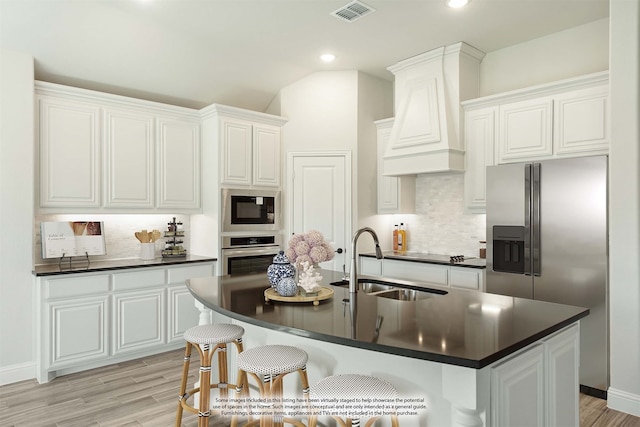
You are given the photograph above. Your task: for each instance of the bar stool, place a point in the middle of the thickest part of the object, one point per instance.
(349, 386)
(268, 365)
(208, 339)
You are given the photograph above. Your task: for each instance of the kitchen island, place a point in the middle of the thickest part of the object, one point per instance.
(464, 357)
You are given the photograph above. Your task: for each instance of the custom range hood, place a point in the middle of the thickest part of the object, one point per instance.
(426, 136)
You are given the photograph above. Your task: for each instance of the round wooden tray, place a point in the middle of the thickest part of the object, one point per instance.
(323, 293)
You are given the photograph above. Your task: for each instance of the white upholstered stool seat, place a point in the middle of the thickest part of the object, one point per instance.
(272, 359)
(214, 334)
(268, 365)
(349, 386)
(209, 340)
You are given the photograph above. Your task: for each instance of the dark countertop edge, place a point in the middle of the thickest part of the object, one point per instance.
(431, 357)
(532, 339)
(124, 264)
(427, 261)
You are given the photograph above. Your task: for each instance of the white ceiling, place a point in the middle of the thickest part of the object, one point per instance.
(242, 52)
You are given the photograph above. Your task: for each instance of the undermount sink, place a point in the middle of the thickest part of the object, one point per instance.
(391, 290)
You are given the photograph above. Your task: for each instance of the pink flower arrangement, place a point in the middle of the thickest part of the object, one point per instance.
(310, 247)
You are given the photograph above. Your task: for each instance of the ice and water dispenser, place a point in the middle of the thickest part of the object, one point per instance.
(508, 248)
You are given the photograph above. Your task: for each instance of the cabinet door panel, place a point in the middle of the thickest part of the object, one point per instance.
(370, 266)
(480, 142)
(236, 155)
(183, 313)
(179, 164)
(266, 155)
(69, 153)
(563, 362)
(420, 272)
(129, 171)
(465, 278)
(180, 274)
(76, 286)
(582, 122)
(517, 390)
(77, 330)
(526, 130)
(139, 320)
(138, 279)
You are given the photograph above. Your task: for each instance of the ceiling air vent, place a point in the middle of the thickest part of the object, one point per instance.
(353, 11)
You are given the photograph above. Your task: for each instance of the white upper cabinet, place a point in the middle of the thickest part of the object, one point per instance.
(128, 158)
(251, 153)
(568, 118)
(525, 129)
(236, 142)
(396, 194)
(178, 163)
(266, 155)
(480, 130)
(581, 119)
(69, 135)
(561, 119)
(101, 152)
(250, 146)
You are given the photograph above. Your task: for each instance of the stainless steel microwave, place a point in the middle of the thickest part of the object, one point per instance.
(250, 210)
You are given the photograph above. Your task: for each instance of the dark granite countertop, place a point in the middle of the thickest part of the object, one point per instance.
(431, 259)
(55, 269)
(465, 328)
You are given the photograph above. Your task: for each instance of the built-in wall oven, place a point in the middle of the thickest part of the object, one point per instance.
(249, 211)
(247, 254)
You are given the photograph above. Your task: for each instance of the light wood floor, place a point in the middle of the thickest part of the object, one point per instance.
(144, 392)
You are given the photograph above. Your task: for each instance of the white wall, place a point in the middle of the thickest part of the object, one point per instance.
(322, 112)
(334, 111)
(375, 102)
(624, 207)
(570, 53)
(16, 217)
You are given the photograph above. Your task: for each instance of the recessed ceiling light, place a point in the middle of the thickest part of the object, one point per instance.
(456, 3)
(327, 57)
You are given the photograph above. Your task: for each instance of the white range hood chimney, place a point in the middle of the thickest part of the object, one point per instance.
(426, 134)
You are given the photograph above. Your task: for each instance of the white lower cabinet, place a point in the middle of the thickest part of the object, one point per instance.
(87, 320)
(370, 266)
(138, 320)
(418, 271)
(540, 380)
(520, 379)
(182, 312)
(466, 278)
(78, 330)
(429, 274)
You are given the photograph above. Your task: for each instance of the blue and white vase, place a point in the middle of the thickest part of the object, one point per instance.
(280, 269)
(287, 287)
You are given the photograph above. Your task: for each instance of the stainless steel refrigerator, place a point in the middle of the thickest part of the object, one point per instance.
(547, 240)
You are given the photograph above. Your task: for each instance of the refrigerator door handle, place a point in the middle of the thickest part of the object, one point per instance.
(527, 219)
(535, 235)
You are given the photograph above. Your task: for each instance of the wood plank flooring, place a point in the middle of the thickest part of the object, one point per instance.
(144, 392)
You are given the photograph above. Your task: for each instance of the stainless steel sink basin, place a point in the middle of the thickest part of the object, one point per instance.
(402, 294)
(397, 291)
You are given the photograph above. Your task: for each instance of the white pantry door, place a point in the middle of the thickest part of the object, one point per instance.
(319, 198)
